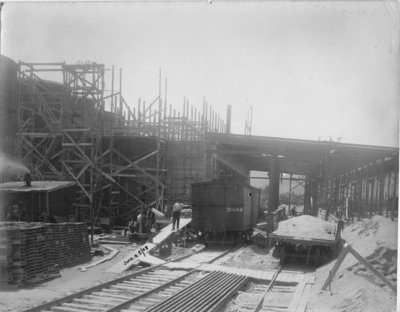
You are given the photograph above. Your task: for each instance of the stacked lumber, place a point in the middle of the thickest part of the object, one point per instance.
(71, 243)
(31, 252)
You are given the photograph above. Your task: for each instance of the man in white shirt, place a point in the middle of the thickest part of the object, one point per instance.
(139, 222)
(176, 213)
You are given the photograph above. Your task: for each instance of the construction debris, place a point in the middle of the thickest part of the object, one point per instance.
(113, 253)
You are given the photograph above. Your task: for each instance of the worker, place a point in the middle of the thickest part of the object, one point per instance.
(339, 229)
(150, 219)
(16, 213)
(28, 179)
(176, 213)
(139, 223)
(131, 226)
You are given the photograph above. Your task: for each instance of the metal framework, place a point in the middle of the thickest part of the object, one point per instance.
(363, 191)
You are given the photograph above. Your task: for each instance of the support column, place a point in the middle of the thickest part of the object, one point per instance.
(273, 194)
(228, 119)
(274, 173)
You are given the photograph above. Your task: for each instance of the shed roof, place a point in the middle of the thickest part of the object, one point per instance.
(37, 186)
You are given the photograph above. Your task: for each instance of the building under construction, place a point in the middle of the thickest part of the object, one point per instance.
(61, 121)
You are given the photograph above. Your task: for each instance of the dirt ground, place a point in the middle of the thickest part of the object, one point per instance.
(353, 289)
(253, 257)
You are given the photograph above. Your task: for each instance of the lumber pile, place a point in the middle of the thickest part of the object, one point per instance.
(32, 252)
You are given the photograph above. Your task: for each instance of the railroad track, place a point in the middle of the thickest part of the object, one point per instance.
(271, 297)
(178, 289)
(147, 289)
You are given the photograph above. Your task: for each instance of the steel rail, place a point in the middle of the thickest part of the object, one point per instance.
(227, 295)
(213, 291)
(88, 291)
(202, 283)
(270, 285)
(190, 303)
(129, 302)
(218, 298)
(97, 287)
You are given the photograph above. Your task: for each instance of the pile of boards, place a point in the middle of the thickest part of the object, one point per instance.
(31, 252)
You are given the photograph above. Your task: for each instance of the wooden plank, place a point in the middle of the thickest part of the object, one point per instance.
(67, 309)
(302, 305)
(371, 268)
(167, 231)
(335, 268)
(296, 297)
(131, 259)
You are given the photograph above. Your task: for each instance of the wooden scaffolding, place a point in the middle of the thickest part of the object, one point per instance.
(72, 128)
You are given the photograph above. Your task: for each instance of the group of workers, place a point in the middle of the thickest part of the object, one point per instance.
(143, 223)
(145, 219)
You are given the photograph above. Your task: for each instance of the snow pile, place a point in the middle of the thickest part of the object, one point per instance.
(306, 227)
(354, 287)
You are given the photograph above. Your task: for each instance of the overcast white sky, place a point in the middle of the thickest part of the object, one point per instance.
(309, 69)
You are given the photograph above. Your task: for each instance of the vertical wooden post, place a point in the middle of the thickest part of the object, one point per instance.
(112, 88)
(139, 110)
(274, 174)
(206, 118)
(159, 106)
(191, 120)
(196, 126)
(165, 110)
(290, 190)
(120, 90)
(174, 125)
(395, 194)
(155, 126)
(144, 112)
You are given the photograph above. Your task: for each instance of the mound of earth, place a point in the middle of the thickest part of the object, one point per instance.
(306, 227)
(354, 287)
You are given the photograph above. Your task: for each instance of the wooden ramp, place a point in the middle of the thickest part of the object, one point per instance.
(167, 231)
(141, 252)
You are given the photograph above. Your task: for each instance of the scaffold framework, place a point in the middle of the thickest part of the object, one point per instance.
(72, 128)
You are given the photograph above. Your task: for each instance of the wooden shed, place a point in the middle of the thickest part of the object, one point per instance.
(46, 201)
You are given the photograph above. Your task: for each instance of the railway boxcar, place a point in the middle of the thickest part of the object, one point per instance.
(224, 210)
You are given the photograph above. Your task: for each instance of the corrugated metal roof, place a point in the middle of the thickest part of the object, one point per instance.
(37, 186)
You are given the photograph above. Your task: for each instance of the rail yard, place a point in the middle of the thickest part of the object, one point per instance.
(116, 196)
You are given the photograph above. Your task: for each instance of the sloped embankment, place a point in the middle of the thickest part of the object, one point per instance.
(354, 288)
